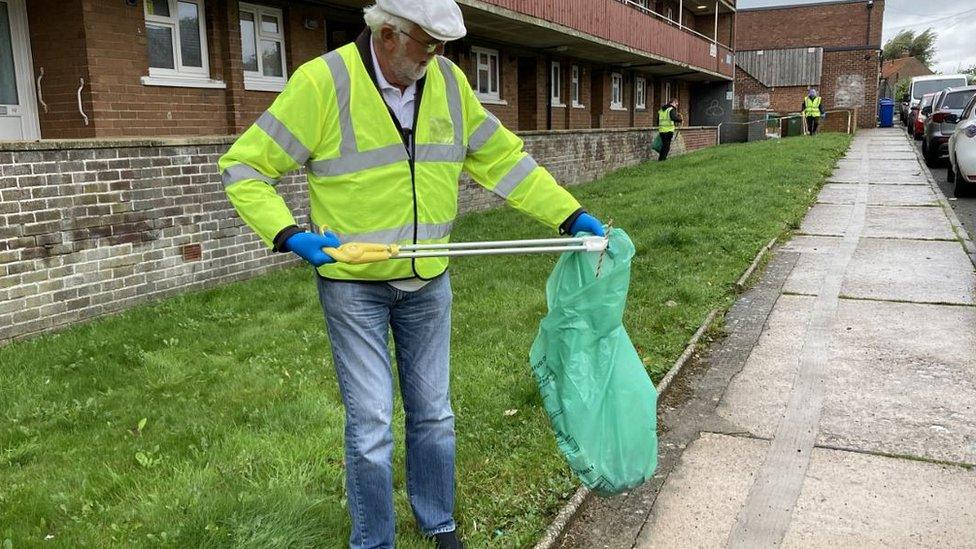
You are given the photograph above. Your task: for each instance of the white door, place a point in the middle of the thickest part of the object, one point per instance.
(18, 108)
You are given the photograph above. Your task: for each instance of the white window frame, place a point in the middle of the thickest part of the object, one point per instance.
(180, 75)
(256, 80)
(640, 93)
(617, 92)
(670, 14)
(667, 92)
(574, 90)
(556, 84)
(492, 97)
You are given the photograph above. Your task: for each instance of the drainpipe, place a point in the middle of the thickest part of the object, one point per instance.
(867, 38)
(715, 35)
(681, 5)
(548, 93)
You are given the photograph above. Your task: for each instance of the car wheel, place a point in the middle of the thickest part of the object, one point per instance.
(962, 187)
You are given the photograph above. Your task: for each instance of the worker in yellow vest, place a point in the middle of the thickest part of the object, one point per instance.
(668, 119)
(384, 127)
(813, 110)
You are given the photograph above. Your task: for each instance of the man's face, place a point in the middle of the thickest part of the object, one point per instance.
(408, 52)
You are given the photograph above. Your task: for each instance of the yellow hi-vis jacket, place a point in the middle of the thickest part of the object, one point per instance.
(362, 182)
(665, 124)
(812, 106)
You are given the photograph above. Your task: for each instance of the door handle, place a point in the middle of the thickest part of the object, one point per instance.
(80, 108)
(40, 94)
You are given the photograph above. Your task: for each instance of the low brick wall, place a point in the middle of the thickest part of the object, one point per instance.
(94, 227)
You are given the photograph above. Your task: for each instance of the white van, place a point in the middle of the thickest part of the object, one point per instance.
(932, 83)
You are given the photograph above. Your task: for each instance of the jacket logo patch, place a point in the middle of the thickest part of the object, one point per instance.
(441, 130)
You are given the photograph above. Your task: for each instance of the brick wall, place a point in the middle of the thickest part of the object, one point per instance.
(849, 80)
(837, 24)
(508, 85)
(90, 228)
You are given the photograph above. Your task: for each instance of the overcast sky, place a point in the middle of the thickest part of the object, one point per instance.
(955, 47)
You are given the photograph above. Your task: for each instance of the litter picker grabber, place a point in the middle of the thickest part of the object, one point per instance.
(357, 253)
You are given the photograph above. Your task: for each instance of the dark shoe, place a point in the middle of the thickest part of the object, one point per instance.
(448, 540)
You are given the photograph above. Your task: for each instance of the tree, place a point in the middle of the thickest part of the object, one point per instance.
(971, 73)
(908, 44)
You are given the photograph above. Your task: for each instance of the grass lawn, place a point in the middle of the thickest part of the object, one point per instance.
(214, 419)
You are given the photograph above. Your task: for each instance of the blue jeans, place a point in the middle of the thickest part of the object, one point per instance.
(359, 317)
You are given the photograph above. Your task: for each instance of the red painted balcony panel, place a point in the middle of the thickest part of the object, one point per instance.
(622, 23)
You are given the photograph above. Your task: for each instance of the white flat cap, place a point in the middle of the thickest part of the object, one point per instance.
(441, 19)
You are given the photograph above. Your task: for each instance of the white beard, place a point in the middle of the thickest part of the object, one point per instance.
(405, 69)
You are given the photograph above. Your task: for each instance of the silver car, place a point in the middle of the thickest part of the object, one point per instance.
(939, 125)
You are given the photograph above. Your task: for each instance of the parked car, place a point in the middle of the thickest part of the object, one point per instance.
(938, 128)
(917, 126)
(962, 151)
(921, 85)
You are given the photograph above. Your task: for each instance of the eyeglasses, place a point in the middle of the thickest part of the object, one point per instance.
(429, 47)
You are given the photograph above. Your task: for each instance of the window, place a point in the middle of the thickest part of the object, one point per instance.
(616, 91)
(177, 44)
(263, 48)
(575, 88)
(667, 92)
(557, 85)
(486, 75)
(640, 93)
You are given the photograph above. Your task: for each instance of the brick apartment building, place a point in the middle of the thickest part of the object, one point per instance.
(834, 47)
(127, 68)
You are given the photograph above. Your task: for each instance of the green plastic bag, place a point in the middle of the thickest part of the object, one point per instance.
(599, 398)
(657, 144)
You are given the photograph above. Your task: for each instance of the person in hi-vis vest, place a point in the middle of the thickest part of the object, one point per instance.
(812, 111)
(668, 119)
(384, 127)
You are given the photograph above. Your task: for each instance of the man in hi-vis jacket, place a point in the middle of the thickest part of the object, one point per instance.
(384, 127)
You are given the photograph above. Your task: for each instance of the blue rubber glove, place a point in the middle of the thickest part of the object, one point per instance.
(309, 246)
(587, 223)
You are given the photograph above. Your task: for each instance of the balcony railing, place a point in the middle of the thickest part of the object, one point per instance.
(627, 22)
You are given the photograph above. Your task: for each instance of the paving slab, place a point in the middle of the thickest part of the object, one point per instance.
(879, 195)
(701, 499)
(901, 378)
(848, 499)
(909, 165)
(895, 270)
(877, 177)
(880, 221)
(865, 501)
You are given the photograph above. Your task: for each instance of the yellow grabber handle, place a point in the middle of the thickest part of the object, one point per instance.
(356, 253)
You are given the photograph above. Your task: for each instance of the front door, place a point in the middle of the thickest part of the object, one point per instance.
(18, 111)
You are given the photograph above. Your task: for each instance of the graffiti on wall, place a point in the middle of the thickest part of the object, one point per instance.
(755, 101)
(849, 92)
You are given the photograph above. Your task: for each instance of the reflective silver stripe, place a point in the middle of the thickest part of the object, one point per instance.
(241, 172)
(440, 153)
(352, 162)
(515, 176)
(483, 133)
(340, 79)
(281, 135)
(433, 231)
(453, 99)
(425, 231)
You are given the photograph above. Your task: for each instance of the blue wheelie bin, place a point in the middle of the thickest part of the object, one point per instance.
(886, 112)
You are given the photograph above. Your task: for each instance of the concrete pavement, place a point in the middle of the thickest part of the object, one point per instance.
(840, 410)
